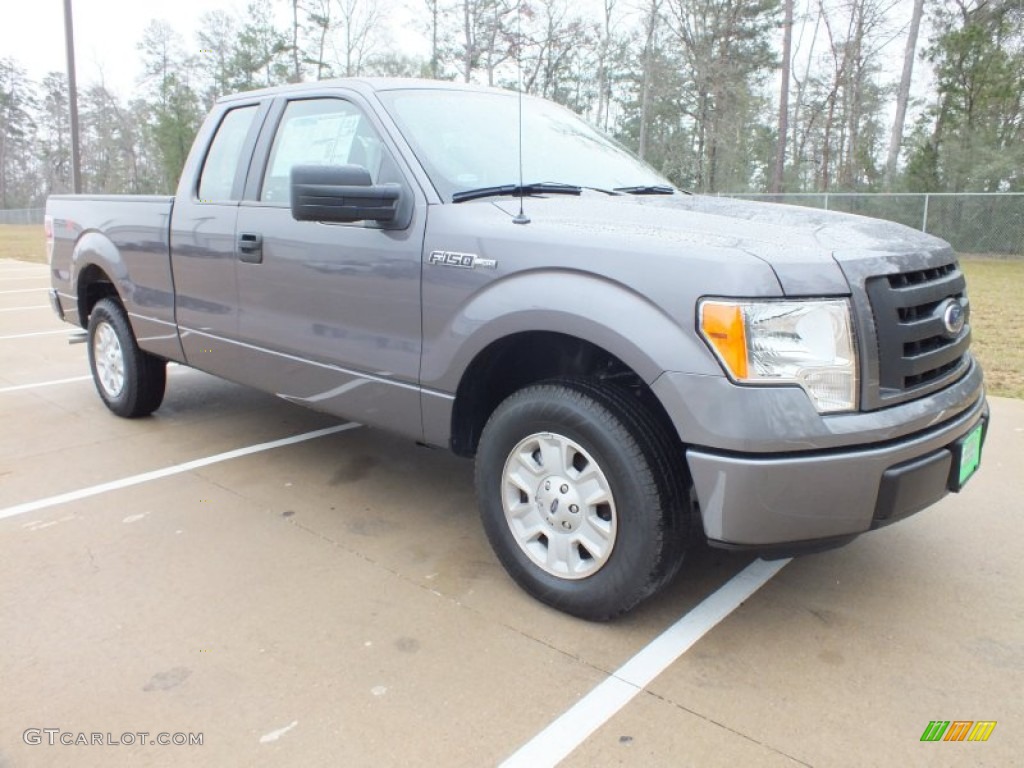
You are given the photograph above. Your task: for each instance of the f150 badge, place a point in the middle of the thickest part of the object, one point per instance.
(460, 260)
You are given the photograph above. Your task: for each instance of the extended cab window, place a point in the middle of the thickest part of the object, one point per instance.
(320, 132)
(217, 181)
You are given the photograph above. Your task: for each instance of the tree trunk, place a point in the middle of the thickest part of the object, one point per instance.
(325, 28)
(297, 74)
(787, 55)
(470, 46)
(433, 39)
(850, 146)
(645, 92)
(603, 74)
(903, 96)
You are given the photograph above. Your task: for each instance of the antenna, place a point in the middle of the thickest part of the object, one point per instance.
(521, 217)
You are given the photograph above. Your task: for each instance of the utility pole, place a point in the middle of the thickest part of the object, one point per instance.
(69, 44)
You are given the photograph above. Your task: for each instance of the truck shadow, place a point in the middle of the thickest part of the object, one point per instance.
(409, 509)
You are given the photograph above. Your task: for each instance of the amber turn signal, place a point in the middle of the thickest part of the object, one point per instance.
(723, 326)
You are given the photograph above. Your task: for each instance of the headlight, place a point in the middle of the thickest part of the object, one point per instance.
(808, 342)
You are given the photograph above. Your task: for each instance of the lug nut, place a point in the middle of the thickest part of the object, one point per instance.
(566, 524)
(565, 489)
(574, 509)
(547, 486)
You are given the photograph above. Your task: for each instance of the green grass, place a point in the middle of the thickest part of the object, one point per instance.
(996, 287)
(22, 242)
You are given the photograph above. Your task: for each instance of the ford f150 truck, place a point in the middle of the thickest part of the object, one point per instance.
(631, 366)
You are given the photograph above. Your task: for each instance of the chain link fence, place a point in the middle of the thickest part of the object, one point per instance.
(974, 223)
(22, 215)
(990, 223)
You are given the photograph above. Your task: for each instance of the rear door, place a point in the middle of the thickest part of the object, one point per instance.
(332, 311)
(204, 251)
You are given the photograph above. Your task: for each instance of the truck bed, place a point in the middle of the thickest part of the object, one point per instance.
(131, 235)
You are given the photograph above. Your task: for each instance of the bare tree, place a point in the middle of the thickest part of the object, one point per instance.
(604, 89)
(498, 36)
(651, 17)
(857, 32)
(801, 131)
(434, 10)
(320, 26)
(359, 23)
(727, 52)
(787, 56)
(296, 69)
(556, 37)
(487, 35)
(903, 96)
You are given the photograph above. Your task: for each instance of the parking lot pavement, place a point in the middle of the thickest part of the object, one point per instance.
(334, 602)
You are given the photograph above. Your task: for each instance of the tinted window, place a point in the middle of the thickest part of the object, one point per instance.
(216, 184)
(320, 132)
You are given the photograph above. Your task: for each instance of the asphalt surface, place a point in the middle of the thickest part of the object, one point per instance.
(334, 602)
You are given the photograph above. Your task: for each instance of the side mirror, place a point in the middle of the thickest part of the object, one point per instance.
(341, 193)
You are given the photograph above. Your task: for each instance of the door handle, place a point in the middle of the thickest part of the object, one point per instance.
(250, 247)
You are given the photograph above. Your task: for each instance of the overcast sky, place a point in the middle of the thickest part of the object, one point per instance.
(107, 33)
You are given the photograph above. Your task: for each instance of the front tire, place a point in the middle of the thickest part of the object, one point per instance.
(129, 381)
(583, 496)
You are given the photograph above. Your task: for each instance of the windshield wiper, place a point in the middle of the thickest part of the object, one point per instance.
(517, 190)
(647, 189)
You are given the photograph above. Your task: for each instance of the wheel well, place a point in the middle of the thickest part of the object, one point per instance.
(93, 285)
(517, 361)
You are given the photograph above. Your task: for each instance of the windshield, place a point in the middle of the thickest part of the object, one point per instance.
(469, 139)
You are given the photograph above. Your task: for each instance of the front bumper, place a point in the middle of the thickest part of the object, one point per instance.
(803, 501)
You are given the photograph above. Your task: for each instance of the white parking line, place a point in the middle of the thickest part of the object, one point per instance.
(177, 469)
(38, 384)
(171, 368)
(22, 290)
(37, 333)
(554, 743)
(19, 309)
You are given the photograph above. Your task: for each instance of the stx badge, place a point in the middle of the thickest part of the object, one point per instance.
(460, 260)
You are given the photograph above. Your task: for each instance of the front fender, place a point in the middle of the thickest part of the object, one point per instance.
(598, 310)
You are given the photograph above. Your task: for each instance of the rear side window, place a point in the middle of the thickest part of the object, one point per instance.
(217, 181)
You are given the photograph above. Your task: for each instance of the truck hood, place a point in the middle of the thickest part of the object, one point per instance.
(809, 249)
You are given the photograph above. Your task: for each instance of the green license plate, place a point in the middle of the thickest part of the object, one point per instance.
(970, 455)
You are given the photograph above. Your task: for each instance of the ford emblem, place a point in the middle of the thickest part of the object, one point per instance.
(954, 317)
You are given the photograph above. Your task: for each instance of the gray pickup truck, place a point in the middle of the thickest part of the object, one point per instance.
(625, 361)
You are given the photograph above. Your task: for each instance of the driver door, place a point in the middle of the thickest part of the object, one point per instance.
(331, 311)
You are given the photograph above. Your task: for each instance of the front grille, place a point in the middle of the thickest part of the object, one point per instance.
(916, 350)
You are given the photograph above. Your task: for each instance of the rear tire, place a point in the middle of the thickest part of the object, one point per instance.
(129, 381)
(583, 495)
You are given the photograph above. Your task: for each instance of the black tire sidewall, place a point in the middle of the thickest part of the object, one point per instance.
(109, 312)
(626, 577)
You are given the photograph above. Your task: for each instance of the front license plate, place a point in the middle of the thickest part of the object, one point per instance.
(970, 455)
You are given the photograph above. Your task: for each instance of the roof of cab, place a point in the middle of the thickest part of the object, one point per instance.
(365, 85)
